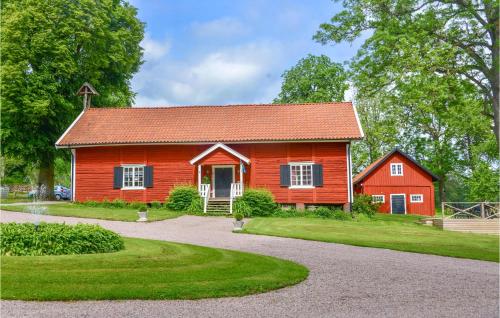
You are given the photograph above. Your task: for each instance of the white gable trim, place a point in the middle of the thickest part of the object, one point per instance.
(358, 121)
(67, 130)
(215, 147)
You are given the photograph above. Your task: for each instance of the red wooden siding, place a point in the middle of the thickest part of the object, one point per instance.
(94, 169)
(413, 181)
(219, 157)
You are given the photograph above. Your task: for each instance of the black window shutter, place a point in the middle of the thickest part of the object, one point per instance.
(118, 177)
(285, 175)
(318, 175)
(148, 176)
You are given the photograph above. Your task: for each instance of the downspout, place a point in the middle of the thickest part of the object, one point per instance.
(73, 174)
(349, 176)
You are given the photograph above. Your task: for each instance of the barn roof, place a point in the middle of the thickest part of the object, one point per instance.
(372, 167)
(212, 124)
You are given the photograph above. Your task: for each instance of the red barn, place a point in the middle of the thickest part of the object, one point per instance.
(400, 183)
(300, 152)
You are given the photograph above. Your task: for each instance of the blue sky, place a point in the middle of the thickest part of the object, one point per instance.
(226, 52)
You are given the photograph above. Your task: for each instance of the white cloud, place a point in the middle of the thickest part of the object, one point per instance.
(248, 73)
(223, 27)
(154, 50)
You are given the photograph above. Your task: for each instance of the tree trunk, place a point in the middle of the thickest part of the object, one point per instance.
(46, 177)
(442, 192)
(496, 123)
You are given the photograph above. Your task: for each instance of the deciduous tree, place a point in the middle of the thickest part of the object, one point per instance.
(465, 30)
(49, 48)
(314, 79)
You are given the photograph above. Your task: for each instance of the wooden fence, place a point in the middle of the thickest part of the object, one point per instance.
(477, 217)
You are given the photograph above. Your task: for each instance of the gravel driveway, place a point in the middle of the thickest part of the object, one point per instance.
(344, 281)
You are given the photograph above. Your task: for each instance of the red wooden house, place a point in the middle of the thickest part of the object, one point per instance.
(399, 183)
(301, 152)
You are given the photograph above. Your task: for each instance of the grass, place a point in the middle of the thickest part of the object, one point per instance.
(15, 197)
(395, 232)
(146, 269)
(115, 214)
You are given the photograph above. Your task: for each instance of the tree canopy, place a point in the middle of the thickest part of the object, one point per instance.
(426, 81)
(313, 79)
(49, 49)
(465, 32)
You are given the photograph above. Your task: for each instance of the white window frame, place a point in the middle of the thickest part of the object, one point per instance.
(378, 195)
(417, 201)
(134, 166)
(301, 185)
(396, 165)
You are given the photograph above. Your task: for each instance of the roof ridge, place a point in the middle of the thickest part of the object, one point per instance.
(226, 105)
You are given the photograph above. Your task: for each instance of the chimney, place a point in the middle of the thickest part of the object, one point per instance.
(87, 91)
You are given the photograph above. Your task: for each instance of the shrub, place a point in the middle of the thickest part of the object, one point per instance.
(240, 206)
(117, 203)
(286, 213)
(57, 239)
(106, 203)
(323, 212)
(360, 217)
(181, 197)
(155, 204)
(363, 205)
(341, 215)
(196, 206)
(260, 201)
(90, 204)
(137, 205)
(143, 209)
(238, 216)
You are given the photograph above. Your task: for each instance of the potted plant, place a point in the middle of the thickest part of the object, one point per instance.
(238, 221)
(143, 214)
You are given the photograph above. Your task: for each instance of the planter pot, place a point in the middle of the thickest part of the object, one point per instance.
(238, 225)
(4, 192)
(143, 216)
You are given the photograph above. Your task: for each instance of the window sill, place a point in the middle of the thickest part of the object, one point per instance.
(134, 188)
(301, 187)
(416, 201)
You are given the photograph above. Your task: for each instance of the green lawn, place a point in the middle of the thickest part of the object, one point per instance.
(146, 269)
(16, 197)
(81, 211)
(384, 231)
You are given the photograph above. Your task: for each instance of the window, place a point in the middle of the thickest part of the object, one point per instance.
(378, 198)
(133, 177)
(396, 169)
(416, 198)
(301, 175)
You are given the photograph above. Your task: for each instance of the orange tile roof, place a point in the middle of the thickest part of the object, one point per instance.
(207, 124)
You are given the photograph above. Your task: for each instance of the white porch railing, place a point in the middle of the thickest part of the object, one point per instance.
(236, 191)
(205, 194)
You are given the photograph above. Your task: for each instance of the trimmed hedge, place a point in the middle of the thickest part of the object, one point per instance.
(26, 239)
(260, 201)
(181, 197)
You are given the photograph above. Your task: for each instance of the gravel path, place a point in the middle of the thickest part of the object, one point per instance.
(344, 281)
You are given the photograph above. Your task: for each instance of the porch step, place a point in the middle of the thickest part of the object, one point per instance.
(218, 206)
